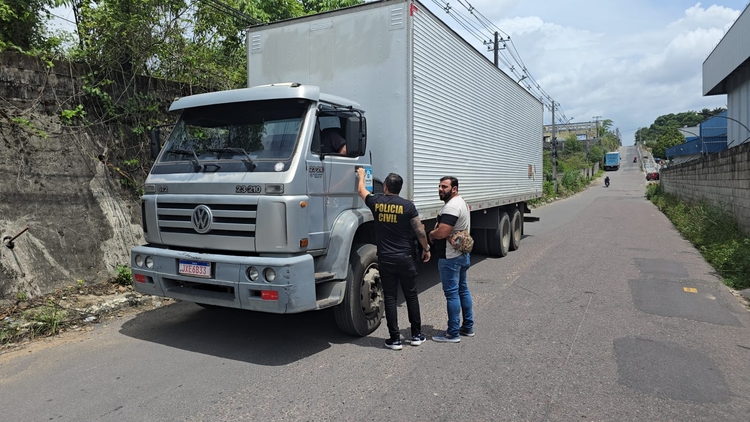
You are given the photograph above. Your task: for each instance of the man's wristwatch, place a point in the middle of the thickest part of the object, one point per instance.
(428, 248)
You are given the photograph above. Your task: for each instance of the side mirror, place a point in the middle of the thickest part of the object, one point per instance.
(356, 136)
(154, 136)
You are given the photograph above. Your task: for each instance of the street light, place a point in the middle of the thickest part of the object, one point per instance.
(738, 122)
(703, 143)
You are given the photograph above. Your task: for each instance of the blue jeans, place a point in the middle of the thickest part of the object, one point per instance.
(453, 275)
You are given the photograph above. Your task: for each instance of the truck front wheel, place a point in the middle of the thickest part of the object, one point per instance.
(362, 309)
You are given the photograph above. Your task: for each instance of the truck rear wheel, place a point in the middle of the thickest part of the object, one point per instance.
(498, 239)
(516, 227)
(362, 309)
(480, 241)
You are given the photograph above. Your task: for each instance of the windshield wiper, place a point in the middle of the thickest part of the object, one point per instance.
(196, 161)
(249, 161)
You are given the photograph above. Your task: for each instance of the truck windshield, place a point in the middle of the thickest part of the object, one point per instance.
(256, 134)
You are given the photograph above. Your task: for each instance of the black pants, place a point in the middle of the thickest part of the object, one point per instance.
(395, 271)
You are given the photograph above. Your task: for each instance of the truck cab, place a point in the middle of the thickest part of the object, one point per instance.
(248, 205)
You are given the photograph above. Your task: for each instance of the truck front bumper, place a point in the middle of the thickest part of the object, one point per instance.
(227, 282)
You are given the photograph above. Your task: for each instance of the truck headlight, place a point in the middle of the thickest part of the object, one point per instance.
(149, 262)
(138, 261)
(269, 274)
(252, 273)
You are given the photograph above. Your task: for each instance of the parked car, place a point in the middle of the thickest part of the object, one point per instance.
(652, 175)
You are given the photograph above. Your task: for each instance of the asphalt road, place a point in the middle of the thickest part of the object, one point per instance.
(604, 314)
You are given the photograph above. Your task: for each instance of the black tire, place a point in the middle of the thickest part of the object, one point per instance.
(362, 309)
(480, 241)
(516, 229)
(498, 239)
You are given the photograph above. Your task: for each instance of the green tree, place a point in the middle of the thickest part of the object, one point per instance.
(22, 23)
(315, 6)
(604, 127)
(650, 136)
(595, 154)
(572, 144)
(182, 40)
(609, 142)
(669, 138)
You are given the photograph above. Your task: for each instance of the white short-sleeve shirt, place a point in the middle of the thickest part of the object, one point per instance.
(456, 206)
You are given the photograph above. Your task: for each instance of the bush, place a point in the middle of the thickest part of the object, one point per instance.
(573, 181)
(124, 275)
(549, 189)
(713, 231)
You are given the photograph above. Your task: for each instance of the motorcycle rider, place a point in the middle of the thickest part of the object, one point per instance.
(606, 181)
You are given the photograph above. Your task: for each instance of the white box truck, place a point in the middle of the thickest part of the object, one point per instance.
(249, 206)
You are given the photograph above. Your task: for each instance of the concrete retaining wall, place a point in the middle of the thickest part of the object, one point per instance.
(60, 180)
(722, 179)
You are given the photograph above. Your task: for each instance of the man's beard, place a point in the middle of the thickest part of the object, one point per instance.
(445, 197)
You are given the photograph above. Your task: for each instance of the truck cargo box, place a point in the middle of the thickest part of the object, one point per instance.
(435, 106)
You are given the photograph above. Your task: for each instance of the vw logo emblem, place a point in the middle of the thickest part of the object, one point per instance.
(202, 219)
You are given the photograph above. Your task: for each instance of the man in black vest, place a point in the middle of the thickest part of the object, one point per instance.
(396, 219)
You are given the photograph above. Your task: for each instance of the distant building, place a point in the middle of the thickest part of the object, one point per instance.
(709, 136)
(726, 71)
(584, 132)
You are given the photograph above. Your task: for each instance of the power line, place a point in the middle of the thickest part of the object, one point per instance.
(62, 18)
(230, 11)
(511, 50)
(508, 55)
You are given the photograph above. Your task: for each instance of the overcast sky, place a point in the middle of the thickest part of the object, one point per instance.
(628, 61)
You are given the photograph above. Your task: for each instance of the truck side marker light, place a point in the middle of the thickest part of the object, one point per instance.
(269, 295)
(302, 204)
(303, 243)
(690, 290)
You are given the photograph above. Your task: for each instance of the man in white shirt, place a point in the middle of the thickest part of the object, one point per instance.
(453, 264)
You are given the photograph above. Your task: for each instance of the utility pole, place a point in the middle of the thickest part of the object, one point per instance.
(554, 149)
(596, 136)
(495, 48)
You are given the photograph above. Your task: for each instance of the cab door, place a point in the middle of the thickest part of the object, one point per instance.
(331, 186)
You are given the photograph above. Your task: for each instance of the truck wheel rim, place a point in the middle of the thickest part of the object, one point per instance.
(370, 293)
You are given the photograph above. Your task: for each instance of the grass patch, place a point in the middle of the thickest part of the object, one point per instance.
(713, 231)
(48, 319)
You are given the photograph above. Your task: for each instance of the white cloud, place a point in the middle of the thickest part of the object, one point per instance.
(627, 61)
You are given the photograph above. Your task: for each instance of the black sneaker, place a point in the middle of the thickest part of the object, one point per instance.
(467, 332)
(447, 338)
(417, 340)
(394, 344)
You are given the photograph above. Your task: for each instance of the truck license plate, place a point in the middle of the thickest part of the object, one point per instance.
(195, 268)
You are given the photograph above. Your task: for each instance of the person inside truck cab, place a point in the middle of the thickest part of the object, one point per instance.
(332, 142)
